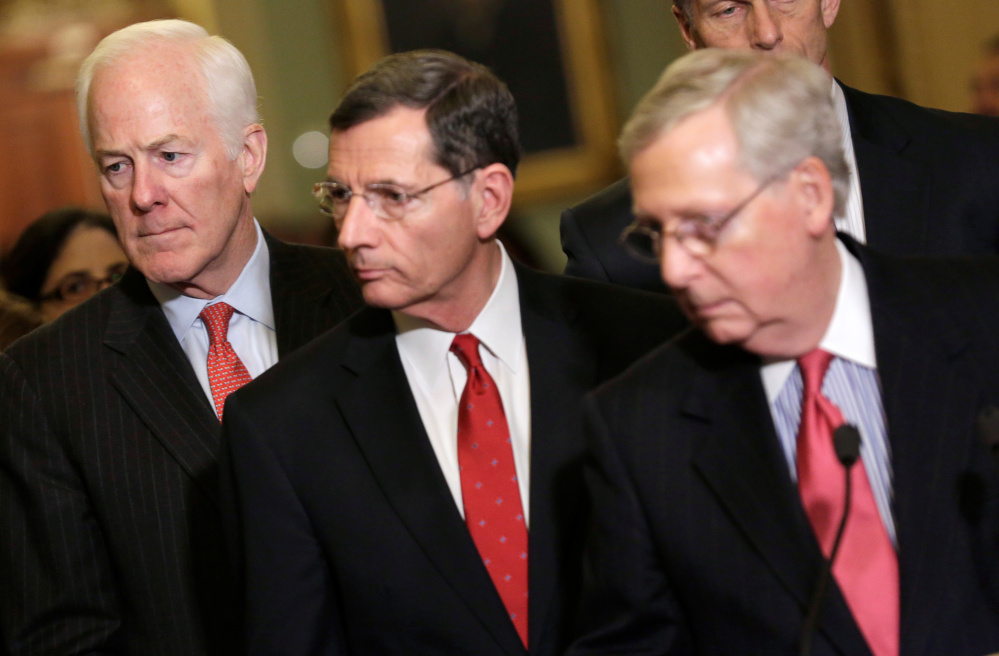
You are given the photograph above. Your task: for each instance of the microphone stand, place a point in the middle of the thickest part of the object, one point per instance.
(846, 441)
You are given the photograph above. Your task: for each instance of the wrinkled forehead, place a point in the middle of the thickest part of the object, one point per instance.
(145, 96)
(388, 148)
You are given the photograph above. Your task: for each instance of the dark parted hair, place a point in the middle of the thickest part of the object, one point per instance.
(24, 269)
(471, 115)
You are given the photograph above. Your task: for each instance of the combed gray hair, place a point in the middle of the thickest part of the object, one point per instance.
(780, 108)
(227, 79)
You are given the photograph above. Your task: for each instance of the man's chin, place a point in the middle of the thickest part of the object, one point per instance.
(721, 331)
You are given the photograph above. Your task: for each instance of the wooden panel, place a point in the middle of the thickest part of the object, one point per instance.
(45, 164)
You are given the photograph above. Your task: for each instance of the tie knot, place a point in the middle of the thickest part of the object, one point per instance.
(466, 347)
(814, 365)
(216, 318)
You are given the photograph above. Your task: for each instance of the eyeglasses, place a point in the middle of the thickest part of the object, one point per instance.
(698, 235)
(78, 287)
(387, 201)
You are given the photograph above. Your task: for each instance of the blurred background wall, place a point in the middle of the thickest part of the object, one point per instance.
(304, 51)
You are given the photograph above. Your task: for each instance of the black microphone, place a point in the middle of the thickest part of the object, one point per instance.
(846, 442)
(988, 430)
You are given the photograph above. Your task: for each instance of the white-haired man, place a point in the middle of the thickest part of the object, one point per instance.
(717, 489)
(921, 180)
(111, 414)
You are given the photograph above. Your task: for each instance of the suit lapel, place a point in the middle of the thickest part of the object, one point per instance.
(398, 451)
(153, 375)
(559, 370)
(302, 300)
(895, 189)
(929, 407)
(742, 462)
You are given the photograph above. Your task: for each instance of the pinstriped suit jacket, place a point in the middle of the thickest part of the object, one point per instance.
(110, 538)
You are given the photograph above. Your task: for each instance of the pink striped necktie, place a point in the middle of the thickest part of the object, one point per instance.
(489, 489)
(866, 567)
(226, 372)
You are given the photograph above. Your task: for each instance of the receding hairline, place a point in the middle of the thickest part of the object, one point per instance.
(185, 64)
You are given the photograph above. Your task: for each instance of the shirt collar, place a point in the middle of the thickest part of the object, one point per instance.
(839, 105)
(250, 294)
(497, 326)
(850, 334)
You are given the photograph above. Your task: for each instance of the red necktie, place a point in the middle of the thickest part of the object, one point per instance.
(226, 372)
(489, 489)
(866, 567)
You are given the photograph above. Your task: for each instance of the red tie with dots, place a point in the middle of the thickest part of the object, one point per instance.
(489, 489)
(226, 372)
(866, 569)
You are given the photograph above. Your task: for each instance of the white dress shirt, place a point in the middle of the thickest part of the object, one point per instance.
(251, 330)
(851, 219)
(437, 378)
(851, 383)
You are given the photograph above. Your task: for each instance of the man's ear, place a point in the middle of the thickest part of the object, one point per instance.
(686, 29)
(814, 186)
(494, 193)
(829, 10)
(253, 156)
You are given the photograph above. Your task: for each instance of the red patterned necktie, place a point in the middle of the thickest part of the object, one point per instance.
(866, 567)
(226, 372)
(489, 488)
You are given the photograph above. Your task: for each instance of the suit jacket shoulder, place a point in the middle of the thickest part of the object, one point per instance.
(590, 232)
(926, 176)
(618, 324)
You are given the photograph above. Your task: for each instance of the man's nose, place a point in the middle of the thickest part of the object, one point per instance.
(147, 189)
(677, 265)
(765, 24)
(359, 226)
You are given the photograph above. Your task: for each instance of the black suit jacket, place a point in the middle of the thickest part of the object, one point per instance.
(108, 471)
(351, 539)
(701, 543)
(927, 178)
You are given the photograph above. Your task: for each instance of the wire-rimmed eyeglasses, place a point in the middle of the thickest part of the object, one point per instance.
(387, 201)
(697, 235)
(78, 287)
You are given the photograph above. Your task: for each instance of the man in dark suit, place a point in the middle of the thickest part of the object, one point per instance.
(366, 482)
(110, 432)
(921, 180)
(716, 487)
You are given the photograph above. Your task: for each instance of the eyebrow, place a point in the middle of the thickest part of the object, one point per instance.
(153, 145)
(159, 143)
(384, 181)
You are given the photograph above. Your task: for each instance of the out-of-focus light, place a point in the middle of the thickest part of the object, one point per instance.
(311, 149)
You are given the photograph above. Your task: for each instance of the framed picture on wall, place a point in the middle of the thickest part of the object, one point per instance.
(551, 54)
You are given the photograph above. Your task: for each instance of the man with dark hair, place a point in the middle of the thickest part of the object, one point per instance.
(410, 483)
(722, 464)
(109, 416)
(921, 182)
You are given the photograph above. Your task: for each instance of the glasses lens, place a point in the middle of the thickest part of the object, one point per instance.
(333, 198)
(697, 236)
(389, 201)
(641, 242)
(77, 288)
